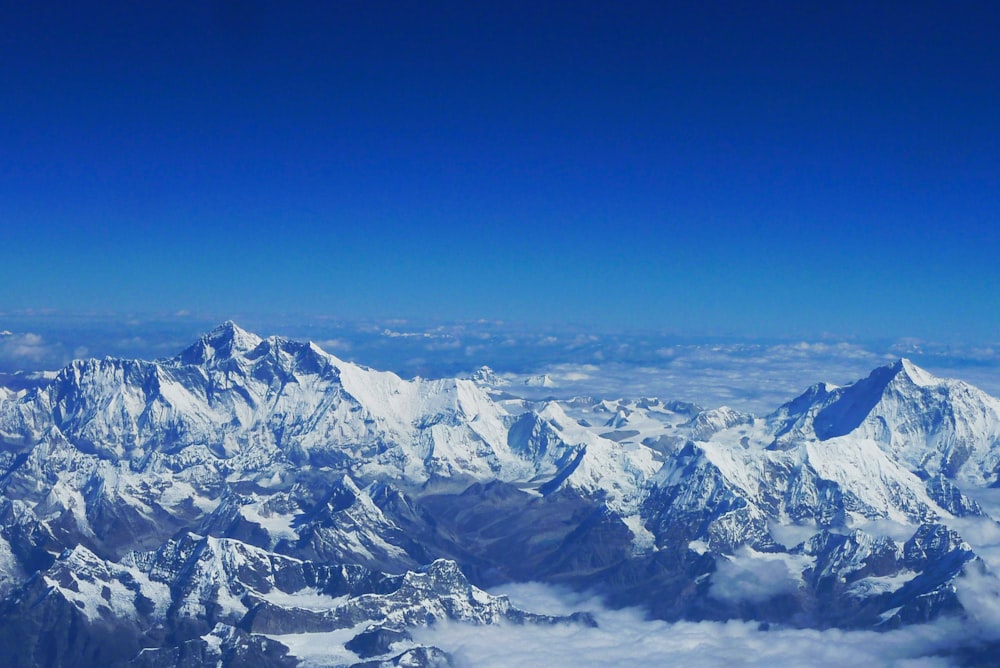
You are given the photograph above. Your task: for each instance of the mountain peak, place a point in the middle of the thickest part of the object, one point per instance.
(487, 376)
(915, 373)
(226, 340)
(902, 369)
(853, 403)
(229, 329)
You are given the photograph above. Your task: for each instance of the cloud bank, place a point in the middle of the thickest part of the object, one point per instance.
(755, 376)
(753, 576)
(626, 638)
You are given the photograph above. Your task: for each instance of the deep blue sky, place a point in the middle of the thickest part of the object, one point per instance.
(761, 169)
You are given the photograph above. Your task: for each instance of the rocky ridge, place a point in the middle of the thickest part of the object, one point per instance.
(206, 506)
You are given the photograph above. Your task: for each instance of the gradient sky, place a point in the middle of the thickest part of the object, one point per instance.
(761, 169)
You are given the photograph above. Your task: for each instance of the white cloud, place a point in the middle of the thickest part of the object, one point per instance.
(750, 376)
(334, 344)
(28, 350)
(627, 638)
(747, 376)
(979, 592)
(404, 335)
(753, 576)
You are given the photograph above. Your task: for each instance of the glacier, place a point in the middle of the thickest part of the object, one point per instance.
(223, 504)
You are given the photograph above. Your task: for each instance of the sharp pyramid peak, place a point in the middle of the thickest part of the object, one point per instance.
(229, 333)
(895, 382)
(229, 328)
(914, 373)
(226, 340)
(853, 403)
(902, 369)
(487, 376)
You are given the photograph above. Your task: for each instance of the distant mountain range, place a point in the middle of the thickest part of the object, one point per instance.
(201, 508)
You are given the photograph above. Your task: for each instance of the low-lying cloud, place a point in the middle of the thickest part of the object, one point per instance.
(627, 638)
(752, 576)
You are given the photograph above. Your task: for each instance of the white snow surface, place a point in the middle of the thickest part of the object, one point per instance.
(239, 404)
(234, 407)
(96, 586)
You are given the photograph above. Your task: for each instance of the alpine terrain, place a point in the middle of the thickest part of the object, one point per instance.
(251, 497)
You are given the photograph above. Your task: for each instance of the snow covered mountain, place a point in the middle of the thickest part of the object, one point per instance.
(232, 502)
(929, 425)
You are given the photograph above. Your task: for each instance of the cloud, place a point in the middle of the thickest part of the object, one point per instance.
(627, 638)
(392, 334)
(747, 376)
(982, 533)
(885, 527)
(978, 590)
(30, 351)
(751, 376)
(446, 343)
(334, 344)
(753, 576)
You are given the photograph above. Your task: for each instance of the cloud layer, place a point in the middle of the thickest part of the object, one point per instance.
(748, 375)
(627, 638)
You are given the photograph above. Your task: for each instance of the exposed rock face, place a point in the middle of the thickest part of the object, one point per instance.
(200, 508)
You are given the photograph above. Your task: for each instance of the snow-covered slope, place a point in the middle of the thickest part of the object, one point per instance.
(237, 407)
(251, 488)
(226, 601)
(929, 425)
(252, 401)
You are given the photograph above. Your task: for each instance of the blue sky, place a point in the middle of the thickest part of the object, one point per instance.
(748, 169)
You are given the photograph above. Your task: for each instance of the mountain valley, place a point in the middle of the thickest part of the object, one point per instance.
(225, 503)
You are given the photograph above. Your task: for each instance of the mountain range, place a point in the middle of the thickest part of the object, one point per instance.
(249, 494)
